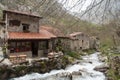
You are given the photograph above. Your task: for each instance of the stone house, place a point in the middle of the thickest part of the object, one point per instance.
(73, 42)
(24, 35)
(62, 42)
(79, 41)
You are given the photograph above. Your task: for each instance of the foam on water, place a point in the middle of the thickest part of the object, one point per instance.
(86, 68)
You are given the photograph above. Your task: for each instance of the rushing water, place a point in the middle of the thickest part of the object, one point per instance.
(81, 71)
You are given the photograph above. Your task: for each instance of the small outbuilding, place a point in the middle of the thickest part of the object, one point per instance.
(79, 41)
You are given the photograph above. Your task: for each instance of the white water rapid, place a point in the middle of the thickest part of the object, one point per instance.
(81, 71)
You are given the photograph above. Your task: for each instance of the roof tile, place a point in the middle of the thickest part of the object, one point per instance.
(43, 34)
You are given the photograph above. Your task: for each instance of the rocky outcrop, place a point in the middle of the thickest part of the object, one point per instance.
(40, 66)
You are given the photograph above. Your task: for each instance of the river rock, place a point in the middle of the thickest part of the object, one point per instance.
(76, 73)
(102, 58)
(90, 62)
(64, 74)
(102, 68)
(76, 62)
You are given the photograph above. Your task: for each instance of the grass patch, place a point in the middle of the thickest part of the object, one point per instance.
(113, 72)
(73, 54)
(89, 51)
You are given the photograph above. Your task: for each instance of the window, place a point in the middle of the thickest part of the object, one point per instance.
(25, 27)
(19, 46)
(14, 23)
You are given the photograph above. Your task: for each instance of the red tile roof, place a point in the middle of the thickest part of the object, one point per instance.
(43, 34)
(22, 13)
(52, 30)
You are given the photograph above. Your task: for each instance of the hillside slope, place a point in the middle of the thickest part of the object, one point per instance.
(55, 15)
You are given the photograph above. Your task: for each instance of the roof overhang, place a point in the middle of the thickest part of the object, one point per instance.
(20, 13)
(28, 36)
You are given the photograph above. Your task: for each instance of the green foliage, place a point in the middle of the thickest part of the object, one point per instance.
(59, 46)
(105, 49)
(4, 49)
(73, 54)
(43, 64)
(67, 60)
(20, 68)
(89, 51)
(113, 72)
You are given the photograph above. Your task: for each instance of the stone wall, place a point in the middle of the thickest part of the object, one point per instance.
(94, 43)
(34, 22)
(86, 43)
(40, 53)
(80, 42)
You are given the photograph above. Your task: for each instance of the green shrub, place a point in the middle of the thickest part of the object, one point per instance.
(73, 54)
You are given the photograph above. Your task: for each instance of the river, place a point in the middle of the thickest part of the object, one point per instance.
(84, 70)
